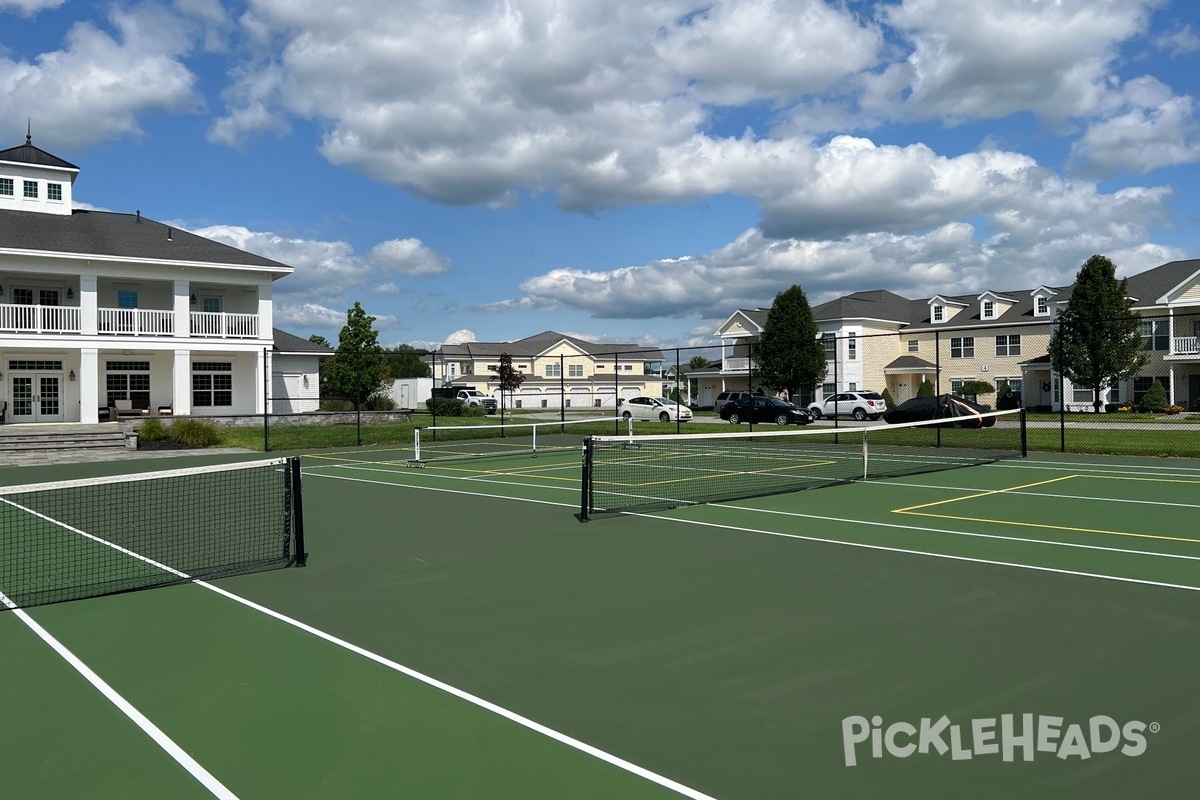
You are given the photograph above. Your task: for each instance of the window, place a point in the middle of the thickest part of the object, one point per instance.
(127, 298)
(830, 342)
(54, 191)
(956, 384)
(828, 389)
(989, 309)
(852, 386)
(211, 305)
(1041, 307)
(212, 384)
(1155, 334)
(962, 347)
(939, 313)
(1013, 383)
(629, 367)
(23, 297)
(554, 370)
(42, 366)
(1081, 394)
(574, 370)
(31, 189)
(6, 187)
(914, 346)
(852, 349)
(1008, 345)
(1142, 385)
(48, 297)
(128, 380)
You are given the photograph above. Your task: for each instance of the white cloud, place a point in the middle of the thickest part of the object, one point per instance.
(99, 83)
(1150, 128)
(992, 58)
(461, 336)
(1179, 41)
(410, 257)
(29, 8)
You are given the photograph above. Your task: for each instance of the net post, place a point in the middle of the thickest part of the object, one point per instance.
(585, 482)
(297, 512)
(534, 429)
(417, 444)
(866, 462)
(1024, 435)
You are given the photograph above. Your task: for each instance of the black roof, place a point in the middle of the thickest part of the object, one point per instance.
(104, 233)
(28, 154)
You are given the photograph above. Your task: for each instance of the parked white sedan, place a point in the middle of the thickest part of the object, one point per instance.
(659, 408)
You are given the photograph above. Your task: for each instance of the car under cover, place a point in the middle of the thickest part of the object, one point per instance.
(959, 412)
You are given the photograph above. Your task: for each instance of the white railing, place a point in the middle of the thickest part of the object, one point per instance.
(1186, 345)
(39, 319)
(135, 321)
(226, 326)
(738, 365)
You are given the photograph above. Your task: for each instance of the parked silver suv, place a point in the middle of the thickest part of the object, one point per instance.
(860, 405)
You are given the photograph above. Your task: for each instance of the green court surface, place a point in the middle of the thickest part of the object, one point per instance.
(458, 633)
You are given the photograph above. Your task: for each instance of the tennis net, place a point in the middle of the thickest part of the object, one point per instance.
(85, 538)
(450, 442)
(649, 473)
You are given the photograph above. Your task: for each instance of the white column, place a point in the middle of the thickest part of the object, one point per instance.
(181, 398)
(262, 370)
(88, 306)
(266, 317)
(183, 308)
(89, 377)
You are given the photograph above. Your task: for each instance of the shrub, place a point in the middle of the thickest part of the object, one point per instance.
(336, 404)
(193, 432)
(445, 406)
(925, 390)
(473, 411)
(152, 430)
(1175, 409)
(887, 398)
(974, 388)
(380, 402)
(1155, 399)
(1006, 398)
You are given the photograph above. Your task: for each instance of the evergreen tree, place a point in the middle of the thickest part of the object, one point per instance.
(357, 370)
(790, 356)
(1096, 342)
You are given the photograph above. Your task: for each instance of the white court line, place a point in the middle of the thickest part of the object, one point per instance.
(893, 525)
(219, 790)
(475, 700)
(176, 752)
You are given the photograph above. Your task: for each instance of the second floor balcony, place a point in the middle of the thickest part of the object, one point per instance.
(738, 365)
(1185, 346)
(42, 319)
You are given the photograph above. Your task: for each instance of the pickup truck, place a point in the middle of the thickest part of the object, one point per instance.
(469, 397)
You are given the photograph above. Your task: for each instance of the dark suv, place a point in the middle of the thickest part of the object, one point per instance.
(728, 397)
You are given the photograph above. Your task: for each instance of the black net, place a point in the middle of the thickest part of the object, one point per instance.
(457, 442)
(77, 539)
(648, 473)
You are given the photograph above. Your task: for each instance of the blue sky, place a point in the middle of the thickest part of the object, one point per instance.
(485, 171)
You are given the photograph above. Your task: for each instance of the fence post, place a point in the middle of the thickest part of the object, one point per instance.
(266, 401)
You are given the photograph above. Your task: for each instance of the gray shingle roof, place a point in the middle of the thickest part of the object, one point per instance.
(103, 233)
(541, 342)
(285, 342)
(877, 304)
(1152, 284)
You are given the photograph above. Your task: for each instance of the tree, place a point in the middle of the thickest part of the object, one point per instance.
(406, 361)
(925, 389)
(510, 379)
(357, 370)
(1155, 399)
(1096, 342)
(698, 362)
(790, 356)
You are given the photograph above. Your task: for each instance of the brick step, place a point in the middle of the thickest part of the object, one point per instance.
(65, 441)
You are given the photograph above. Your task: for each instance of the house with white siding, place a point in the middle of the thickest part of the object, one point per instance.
(104, 312)
(876, 340)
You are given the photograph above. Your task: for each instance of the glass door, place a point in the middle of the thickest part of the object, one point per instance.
(36, 398)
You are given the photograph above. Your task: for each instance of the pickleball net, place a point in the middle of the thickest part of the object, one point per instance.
(85, 538)
(456, 442)
(651, 473)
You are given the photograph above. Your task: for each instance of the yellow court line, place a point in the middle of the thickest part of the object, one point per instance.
(912, 509)
(1049, 527)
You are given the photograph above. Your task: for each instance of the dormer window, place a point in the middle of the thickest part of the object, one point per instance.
(939, 313)
(1041, 307)
(989, 309)
(31, 189)
(54, 191)
(6, 187)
